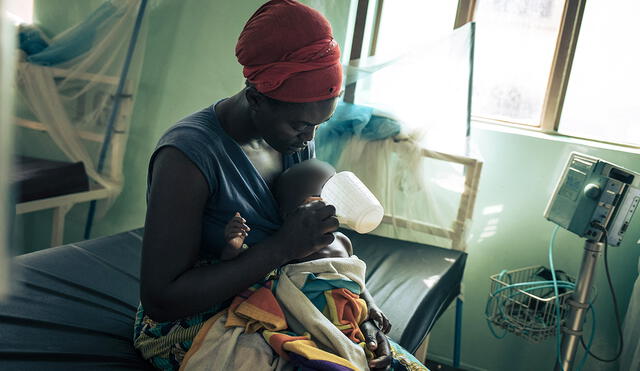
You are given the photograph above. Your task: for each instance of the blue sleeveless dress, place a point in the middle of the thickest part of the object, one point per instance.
(235, 185)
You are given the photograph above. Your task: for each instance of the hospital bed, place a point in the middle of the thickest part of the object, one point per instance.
(72, 307)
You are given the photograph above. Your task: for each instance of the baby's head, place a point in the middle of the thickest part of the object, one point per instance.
(300, 182)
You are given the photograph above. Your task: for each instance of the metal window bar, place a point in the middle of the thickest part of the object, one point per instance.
(357, 44)
(464, 14)
(561, 64)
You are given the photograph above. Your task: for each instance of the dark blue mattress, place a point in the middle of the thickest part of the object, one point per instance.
(72, 307)
(36, 178)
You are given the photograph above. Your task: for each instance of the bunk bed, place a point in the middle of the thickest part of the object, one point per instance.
(43, 183)
(78, 88)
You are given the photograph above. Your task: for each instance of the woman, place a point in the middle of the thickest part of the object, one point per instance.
(222, 160)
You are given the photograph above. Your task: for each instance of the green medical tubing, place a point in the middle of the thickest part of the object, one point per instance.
(571, 287)
(555, 284)
(555, 290)
(540, 285)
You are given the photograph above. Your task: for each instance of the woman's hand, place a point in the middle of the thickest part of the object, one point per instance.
(308, 229)
(378, 344)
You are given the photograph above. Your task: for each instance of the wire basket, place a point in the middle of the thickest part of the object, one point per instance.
(527, 310)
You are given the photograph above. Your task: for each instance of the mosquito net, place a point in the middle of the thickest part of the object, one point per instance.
(406, 137)
(69, 87)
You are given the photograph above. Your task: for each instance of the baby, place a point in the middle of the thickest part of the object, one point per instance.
(300, 184)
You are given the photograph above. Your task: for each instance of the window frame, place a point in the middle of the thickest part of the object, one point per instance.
(559, 74)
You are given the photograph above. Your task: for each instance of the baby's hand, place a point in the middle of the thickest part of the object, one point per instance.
(379, 318)
(234, 233)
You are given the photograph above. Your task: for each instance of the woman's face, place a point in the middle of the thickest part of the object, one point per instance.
(287, 127)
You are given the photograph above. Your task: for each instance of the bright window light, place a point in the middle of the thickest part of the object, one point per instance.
(406, 24)
(515, 42)
(602, 96)
(427, 86)
(19, 11)
(493, 209)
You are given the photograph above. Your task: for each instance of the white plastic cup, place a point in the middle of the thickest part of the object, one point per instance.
(355, 205)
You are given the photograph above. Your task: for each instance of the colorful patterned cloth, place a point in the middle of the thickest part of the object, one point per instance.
(258, 310)
(164, 344)
(321, 296)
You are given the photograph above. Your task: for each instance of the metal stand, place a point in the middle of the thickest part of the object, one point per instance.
(579, 303)
(458, 334)
(117, 100)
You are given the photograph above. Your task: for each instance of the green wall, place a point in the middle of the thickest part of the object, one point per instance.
(519, 174)
(189, 63)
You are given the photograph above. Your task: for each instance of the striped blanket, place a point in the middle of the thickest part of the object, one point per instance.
(308, 317)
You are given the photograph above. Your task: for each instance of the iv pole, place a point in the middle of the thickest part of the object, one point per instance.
(578, 303)
(595, 200)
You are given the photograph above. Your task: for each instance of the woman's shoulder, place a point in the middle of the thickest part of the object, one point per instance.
(196, 137)
(197, 128)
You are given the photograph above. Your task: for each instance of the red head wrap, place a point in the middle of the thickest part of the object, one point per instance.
(289, 54)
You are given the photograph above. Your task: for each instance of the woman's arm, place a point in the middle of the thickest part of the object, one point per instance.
(169, 287)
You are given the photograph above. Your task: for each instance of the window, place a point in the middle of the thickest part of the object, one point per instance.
(602, 100)
(560, 66)
(19, 11)
(418, 55)
(401, 30)
(569, 66)
(513, 56)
